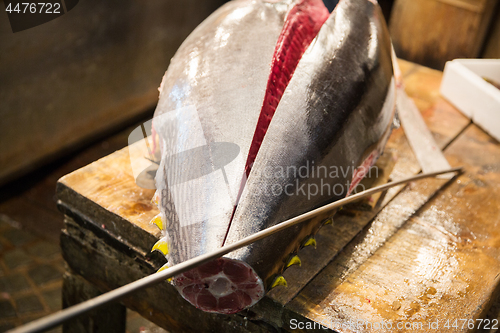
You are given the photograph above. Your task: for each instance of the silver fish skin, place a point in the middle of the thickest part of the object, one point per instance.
(336, 114)
(337, 110)
(211, 95)
(212, 92)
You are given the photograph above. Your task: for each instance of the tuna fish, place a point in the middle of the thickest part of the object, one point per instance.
(268, 109)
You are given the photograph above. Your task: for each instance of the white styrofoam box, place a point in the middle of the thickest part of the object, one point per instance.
(464, 86)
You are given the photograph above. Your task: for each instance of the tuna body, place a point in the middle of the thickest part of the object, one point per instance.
(267, 110)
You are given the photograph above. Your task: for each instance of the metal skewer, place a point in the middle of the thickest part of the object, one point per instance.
(59, 317)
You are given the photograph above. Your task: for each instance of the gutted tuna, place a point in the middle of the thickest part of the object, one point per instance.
(269, 109)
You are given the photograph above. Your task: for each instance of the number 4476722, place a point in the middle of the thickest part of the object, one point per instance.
(485, 324)
(33, 7)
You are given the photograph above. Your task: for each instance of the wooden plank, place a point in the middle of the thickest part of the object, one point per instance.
(421, 266)
(111, 318)
(106, 194)
(348, 223)
(406, 67)
(431, 32)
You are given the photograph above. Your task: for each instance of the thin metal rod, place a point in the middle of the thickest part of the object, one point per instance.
(60, 317)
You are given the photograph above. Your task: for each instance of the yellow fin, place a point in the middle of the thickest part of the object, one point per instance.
(311, 241)
(279, 281)
(164, 267)
(161, 246)
(294, 260)
(328, 221)
(155, 199)
(158, 221)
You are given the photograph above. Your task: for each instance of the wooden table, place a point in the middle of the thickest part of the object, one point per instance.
(427, 254)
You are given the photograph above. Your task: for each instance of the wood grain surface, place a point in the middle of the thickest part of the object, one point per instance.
(105, 193)
(428, 256)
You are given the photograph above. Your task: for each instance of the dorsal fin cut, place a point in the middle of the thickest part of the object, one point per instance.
(302, 25)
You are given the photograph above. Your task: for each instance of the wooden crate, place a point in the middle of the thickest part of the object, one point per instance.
(431, 32)
(492, 44)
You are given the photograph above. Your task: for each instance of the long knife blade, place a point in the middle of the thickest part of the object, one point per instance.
(429, 155)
